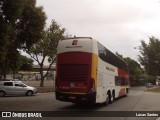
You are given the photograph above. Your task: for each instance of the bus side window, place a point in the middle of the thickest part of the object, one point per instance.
(120, 81)
(117, 81)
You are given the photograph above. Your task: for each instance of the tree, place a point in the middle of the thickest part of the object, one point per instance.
(134, 67)
(21, 25)
(150, 56)
(46, 48)
(119, 55)
(24, 63)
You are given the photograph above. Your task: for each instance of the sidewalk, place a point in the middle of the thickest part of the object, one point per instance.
(49, 85)
(45, 89)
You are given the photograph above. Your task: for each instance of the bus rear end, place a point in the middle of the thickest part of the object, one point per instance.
(74, 80)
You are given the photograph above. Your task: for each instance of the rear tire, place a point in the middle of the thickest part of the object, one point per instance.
(113, 95)
(107, 101)
(29, 93)
(2, 93)
(110, 98)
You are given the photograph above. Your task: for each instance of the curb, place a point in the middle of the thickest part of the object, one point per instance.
(45, 89)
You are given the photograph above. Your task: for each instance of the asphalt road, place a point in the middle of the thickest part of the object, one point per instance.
(137, 100)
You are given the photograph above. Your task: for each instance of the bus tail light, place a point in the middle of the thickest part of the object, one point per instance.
(92, 85)
(56, 83)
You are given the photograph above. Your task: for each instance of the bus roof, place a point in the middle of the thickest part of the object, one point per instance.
(78, 38)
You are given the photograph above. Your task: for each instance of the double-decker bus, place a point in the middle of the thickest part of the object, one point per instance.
(88, 71)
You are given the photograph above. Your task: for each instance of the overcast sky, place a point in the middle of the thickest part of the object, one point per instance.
(119, 24)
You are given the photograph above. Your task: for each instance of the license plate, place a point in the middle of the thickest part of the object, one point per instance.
(72, 97)
(72, 85)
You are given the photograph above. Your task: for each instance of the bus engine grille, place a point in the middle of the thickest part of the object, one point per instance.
(74, 72)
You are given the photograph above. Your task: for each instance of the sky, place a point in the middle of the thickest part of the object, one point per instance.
(119, 24)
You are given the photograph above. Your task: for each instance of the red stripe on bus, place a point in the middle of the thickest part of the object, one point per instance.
(122, 73)
(122, 92)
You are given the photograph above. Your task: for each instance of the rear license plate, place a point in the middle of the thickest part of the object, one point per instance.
(72, 97)
(72, 85)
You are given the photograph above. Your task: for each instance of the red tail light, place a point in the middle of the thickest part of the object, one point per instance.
(56, 82)
(92, 85)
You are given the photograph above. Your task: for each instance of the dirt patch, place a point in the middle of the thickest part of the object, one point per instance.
(155, 89)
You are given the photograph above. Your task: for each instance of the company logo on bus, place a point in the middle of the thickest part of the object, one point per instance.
(110, 69)
(74, 45)
(74, 42)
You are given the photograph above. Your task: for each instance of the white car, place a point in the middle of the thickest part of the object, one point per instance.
(158, 81)
(16, 88)
(149, 85)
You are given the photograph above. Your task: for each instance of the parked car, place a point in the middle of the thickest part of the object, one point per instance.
(14, 87)
(148, 85)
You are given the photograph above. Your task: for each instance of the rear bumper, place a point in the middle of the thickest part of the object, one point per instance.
(75, 98)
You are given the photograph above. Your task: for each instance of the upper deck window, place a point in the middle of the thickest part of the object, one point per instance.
(107, 56)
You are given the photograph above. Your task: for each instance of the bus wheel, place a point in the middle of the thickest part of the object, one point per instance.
(113, 94)
(110, 97)
(107, 101)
